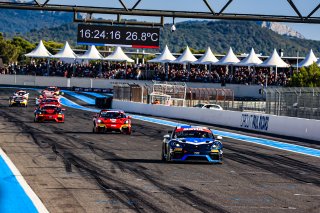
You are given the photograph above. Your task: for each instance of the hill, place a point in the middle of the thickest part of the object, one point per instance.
(219, 35)
(19, 22)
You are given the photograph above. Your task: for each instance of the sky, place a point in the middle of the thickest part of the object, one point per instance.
(270, 7)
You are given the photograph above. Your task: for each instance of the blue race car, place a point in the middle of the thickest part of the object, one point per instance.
(192, 143)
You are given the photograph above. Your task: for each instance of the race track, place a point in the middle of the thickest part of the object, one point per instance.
(72, 169)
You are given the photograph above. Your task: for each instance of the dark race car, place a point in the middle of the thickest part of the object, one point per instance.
(112, 120)
(192, 143)
(49, 113)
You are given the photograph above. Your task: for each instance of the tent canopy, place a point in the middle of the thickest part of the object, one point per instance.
(251, 60)
(207, 58)
(309, 59)
(39, 52)
(118, 55)
(164, 57)
(185, 58)
(91, 54)
(228, 59)
(65, 53)
(274, 61)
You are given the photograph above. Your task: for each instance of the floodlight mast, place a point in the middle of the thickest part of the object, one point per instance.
(127, 11)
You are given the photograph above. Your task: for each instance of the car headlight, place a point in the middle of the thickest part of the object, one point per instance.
(99, 121)
(126, 122)
(40, 113)
(175, 144)
(214, 146)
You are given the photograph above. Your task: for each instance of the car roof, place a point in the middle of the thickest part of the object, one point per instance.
(112, 110)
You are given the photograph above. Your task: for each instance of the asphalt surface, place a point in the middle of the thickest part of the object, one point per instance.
(72, 169)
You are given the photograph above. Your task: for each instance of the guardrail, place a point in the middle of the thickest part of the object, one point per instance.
(280, 125)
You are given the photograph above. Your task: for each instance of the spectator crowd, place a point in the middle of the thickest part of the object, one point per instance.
(171, 72)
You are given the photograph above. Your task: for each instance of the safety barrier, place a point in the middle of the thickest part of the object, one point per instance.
(280, 125)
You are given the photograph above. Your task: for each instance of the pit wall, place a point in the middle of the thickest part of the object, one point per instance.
(279, 125)
(28, 80)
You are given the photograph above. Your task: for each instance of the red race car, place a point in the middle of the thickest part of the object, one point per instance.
(49, 113)
(51, 92)
(112, 121)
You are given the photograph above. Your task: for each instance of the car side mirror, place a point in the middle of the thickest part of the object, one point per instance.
(63, 109)
(166, 137)
(129, 117)
(219, 137)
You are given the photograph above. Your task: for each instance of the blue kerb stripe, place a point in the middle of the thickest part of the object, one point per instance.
(71, 104)
(13, 198)
(97, 95)
(261, 141)
(79, 96)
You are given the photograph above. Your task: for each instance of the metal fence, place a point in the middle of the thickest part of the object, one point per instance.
(285, 101)
(302, 102)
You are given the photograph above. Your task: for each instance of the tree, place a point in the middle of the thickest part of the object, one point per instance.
(306, 77)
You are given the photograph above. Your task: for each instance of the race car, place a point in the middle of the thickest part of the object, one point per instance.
(52, 101)
(112, 121)
(192, 143)
(21, 93)
(18, 101)
(50, 92)
(49, 113)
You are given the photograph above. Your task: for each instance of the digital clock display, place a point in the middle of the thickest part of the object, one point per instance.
(136, 37)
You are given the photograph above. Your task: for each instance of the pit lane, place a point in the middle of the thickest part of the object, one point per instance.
(72, 169)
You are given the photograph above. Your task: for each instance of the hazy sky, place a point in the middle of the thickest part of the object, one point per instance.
(271, 7)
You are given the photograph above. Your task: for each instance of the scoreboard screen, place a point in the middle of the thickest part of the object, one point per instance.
(101, 35)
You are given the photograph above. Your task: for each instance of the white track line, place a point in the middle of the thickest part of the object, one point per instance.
(27, 189)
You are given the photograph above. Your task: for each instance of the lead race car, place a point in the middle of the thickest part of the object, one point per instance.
(112, 121)
(192, 143)
(50, 92)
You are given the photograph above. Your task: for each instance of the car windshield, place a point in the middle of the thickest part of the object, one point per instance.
(199, 105)
(50, 108)
(193, 134)
(50, 101)
(112, 115)
(51, 89)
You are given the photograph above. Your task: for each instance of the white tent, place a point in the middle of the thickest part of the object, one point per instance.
(65, 53)
(309, 59)
(207, 58)
(274, 61)
(39, 52)
(164, 57)
(118, 55)
(251, 60)
(91, 54)
(229, 59)
(185, 58)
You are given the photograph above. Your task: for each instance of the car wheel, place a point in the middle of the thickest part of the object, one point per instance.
(168, 157)
(163, 158)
